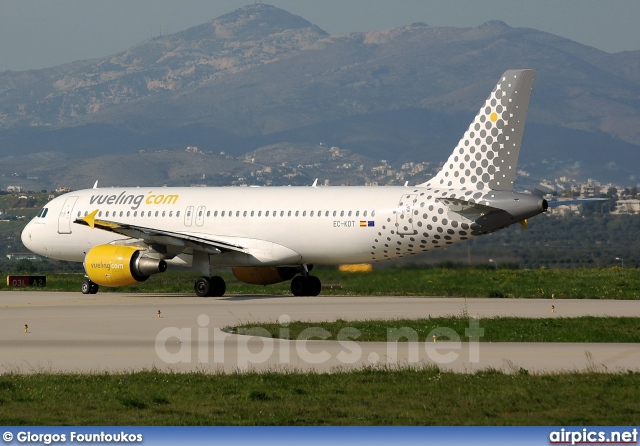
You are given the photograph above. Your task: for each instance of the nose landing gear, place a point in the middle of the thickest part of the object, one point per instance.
(88, 287)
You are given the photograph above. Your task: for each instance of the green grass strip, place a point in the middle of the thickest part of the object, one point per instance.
(365, 397)
(602, 283)
(497, 329)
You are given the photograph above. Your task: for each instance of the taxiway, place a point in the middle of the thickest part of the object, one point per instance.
(71, 332)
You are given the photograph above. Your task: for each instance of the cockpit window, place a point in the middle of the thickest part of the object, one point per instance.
(42, 213)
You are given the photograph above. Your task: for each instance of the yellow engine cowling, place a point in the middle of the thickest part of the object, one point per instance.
(114, 265)
(264, 275)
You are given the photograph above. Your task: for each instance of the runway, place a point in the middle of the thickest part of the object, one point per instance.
(71, 332)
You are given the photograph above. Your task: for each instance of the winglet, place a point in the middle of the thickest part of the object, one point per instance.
(315, 183)
(95, 185)
(91, 218)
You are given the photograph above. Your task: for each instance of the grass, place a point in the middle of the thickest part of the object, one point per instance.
(497, 329)
(425, 396)
(602, 283)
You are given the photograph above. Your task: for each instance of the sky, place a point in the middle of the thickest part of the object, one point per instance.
(43, 33)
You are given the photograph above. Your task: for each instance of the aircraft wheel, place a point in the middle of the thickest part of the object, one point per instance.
(218, 286)
(203, 286)
(88, 287)
(299, 286)
(313, 286)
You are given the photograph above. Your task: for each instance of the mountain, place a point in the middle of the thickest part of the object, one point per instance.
(260, 76)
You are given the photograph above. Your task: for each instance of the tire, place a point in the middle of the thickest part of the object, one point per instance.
(313, 286)
(299, 286)
(93, 288)
(218, 286)
(85, 287)
(202, 286)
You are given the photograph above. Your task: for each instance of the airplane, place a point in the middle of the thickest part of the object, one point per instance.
(274, 234)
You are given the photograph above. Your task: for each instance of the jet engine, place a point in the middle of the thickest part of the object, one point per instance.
(265, 275)
(116, 265)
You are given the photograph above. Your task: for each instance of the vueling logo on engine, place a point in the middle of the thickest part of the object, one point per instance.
(134, 200)
(107, 266)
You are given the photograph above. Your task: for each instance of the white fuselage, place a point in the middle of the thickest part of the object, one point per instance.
(276, 225)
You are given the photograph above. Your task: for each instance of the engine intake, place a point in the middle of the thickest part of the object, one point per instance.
(115, 265)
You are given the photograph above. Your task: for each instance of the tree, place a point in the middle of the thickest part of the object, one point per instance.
(24, 266)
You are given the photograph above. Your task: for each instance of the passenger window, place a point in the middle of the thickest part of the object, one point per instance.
(266, 214)
(349, 214)
(121, 213)
(237, 213)
(163, 213)
(170, 213)
(297, 212)
(304, 213)
(252, 212)
(326, 214)
(364, 214)
(79, 213)
(100, 214)
(135, 213)
(128, 213)
(289, 214)
(311, 214)
(215, 214)
(335, 213)
(259, 213)
(107, 214)
(156, 213)
(373, 213)
(86, 213)
(281, 213)
(149, 214)
(357, 213)
(230, 213)
(222, 214)
(208, 213)
(178, 214)
(244, 214)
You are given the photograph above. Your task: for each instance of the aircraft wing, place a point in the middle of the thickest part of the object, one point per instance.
(151, 235)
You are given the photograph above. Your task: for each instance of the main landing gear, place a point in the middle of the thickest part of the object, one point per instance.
(210, 286)
(88, 287)
(306, 285)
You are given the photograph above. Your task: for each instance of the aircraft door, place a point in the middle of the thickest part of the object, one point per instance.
(404, 215)
(188, 216)
(64, 219)
(200, 215)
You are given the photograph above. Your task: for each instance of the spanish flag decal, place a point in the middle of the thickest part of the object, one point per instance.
(364, 224)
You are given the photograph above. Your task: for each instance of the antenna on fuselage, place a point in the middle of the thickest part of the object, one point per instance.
(95, 185)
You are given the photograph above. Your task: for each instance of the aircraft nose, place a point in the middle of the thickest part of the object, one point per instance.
(27, 236)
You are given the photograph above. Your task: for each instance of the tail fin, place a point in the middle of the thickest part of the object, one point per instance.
(487, 155)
